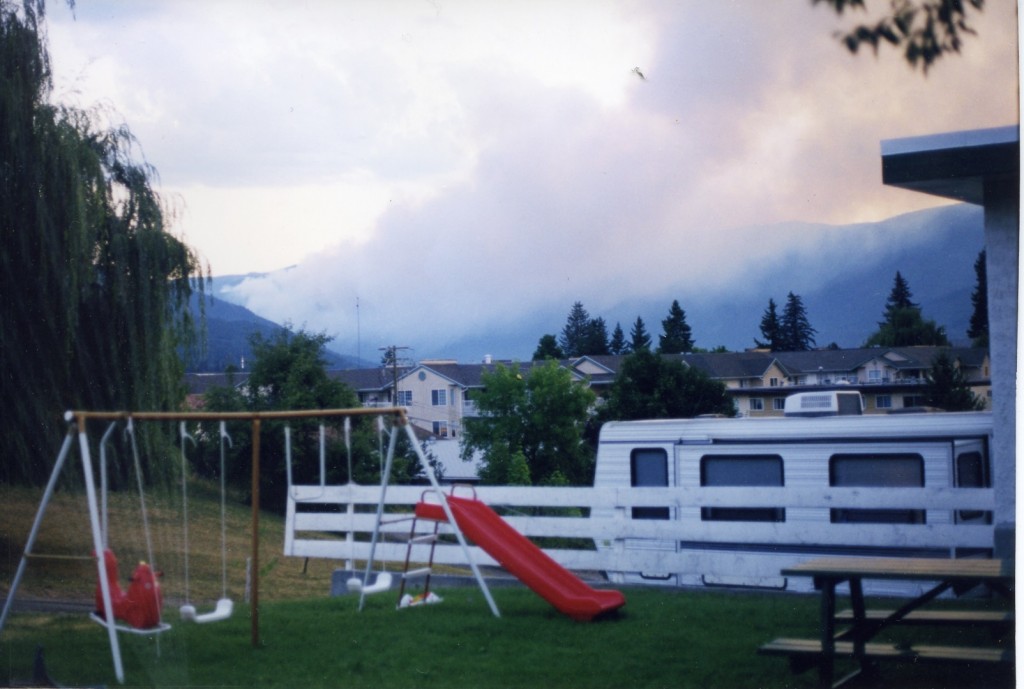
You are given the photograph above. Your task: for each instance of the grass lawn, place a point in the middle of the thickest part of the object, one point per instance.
(662, 638)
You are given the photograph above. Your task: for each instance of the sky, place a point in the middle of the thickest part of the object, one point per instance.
(408, 171)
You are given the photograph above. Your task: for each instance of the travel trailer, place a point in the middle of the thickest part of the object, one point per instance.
(744, 498)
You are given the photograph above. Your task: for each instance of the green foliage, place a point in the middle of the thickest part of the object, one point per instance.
(771, 329)
(540, 415)
(575, 332)
(581, 335)
(903, 324)
(618, 344)
(289, 373)
(978, 331)
(947, 388)
(638, 336)
(102, 286)
(677, 337)
(925, 29)
(547, 348)
(649, 386)
(796, 333)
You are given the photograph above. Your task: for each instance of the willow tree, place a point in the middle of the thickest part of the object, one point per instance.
(95, 288)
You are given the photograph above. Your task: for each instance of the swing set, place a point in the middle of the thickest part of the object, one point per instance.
(139, 609)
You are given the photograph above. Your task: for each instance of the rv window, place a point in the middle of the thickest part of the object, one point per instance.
(649, 467)
(877, 470)
(970, 473)
(746, 470)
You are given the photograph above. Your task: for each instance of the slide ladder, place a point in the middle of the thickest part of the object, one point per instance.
(423, 572)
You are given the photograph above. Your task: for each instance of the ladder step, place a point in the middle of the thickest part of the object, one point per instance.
(416, 572)
(398, 520)
(428, 538)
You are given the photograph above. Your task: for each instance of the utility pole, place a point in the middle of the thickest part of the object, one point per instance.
(391, 356)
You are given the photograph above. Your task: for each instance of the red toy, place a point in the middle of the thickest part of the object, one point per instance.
(140, 606)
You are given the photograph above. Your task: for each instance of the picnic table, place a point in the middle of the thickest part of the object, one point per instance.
(862, 624)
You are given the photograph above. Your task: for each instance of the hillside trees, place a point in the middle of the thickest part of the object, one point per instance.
(902, 324)
(95, 287)
(530, 428)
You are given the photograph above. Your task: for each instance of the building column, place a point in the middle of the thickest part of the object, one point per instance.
(1002, 238)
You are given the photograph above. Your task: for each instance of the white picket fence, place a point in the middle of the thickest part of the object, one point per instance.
(336, 522)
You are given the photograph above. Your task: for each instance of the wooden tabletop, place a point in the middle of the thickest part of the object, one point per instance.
(905, 568)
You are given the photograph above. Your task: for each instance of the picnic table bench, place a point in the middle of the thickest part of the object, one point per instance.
(863, 625)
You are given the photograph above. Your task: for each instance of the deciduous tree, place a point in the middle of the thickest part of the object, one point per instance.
(926, 30)
(541, 413)
(95, 287)
(650, 386)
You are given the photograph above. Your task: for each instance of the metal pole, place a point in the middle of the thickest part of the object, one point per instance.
(255, 596)
(451, 518)
(97, 544)
(47, 494)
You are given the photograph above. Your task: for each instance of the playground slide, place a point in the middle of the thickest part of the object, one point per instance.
(531, 565)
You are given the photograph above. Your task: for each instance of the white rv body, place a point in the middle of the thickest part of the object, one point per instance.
(806, 467)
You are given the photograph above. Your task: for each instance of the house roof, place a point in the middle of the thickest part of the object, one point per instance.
(602, 370)
(955, 165)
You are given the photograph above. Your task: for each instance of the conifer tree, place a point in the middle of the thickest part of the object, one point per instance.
(618, 344)
(573, 339)
(596, 342)
(639, 339)
(903, 324)
(677, 336)
(797, 333)
(978, 332)
(771, 329)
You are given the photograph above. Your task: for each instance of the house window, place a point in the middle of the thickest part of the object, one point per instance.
(883, 401)
(405, 398)
(773, 382)
(913, 401)
(874, 376)
(877, 470)
(741, 470)
(648, 467)
(756, 404)
(779, 403)
(441, 429)
(439, 398)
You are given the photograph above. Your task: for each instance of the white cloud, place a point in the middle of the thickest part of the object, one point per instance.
(457, 165)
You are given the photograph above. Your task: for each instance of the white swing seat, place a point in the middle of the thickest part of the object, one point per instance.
(126, 629)
(223, 610)
(383, 583)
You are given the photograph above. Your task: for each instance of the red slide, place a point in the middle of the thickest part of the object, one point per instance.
(531, 565)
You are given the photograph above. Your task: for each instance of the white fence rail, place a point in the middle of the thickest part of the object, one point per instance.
(596, 531)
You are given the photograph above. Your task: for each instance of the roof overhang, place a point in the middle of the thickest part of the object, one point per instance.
(954, 165)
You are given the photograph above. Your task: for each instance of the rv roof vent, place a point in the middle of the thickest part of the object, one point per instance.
(824, 404)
